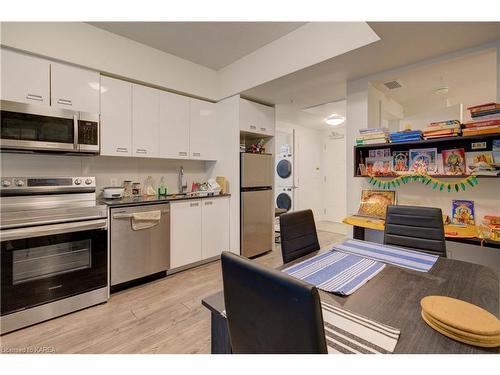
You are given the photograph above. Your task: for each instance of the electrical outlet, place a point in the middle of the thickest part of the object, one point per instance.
(113, 182)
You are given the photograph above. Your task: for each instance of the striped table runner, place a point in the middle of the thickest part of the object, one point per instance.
(347, 332)
(335, 272)
(398, 256)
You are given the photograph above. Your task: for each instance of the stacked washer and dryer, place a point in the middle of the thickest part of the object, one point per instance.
(285, 181)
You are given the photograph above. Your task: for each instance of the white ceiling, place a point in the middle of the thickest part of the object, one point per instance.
(468, 78)
(402, 43)
(211, 44)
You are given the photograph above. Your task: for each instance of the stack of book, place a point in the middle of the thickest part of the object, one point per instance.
(485, 120)
(450, 128)
(406, 136)
(371, 136)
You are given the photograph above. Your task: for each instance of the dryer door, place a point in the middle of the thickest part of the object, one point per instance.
(284, 168)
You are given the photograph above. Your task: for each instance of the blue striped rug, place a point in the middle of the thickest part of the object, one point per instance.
(336, 272)
(398, 256)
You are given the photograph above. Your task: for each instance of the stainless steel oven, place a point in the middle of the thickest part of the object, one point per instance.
(30, 127)
(54, 252)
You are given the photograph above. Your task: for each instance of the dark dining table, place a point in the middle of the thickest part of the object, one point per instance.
(393, 297)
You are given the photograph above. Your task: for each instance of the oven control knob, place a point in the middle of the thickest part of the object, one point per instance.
(78, 181)
(88, 181)
(6, 183)
(19, 183)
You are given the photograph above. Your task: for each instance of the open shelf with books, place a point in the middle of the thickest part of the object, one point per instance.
(465, 151)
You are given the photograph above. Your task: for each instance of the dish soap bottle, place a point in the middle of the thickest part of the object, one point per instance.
(162, 187)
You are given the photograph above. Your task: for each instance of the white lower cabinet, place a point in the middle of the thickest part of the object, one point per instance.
(199, 229)
(215, 226)
(185, 232)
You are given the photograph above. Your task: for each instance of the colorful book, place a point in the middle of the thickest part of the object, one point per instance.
(477, 124)
(400, 161)
(496, 150)
(484, 107)
(462, 212)
(423, 160)
(485, 113)
(378, 166)
(454, 161)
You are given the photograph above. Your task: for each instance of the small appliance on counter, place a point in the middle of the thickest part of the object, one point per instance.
(113, 192)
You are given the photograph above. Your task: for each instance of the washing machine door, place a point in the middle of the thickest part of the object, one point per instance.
(284, 168)
(284, 201)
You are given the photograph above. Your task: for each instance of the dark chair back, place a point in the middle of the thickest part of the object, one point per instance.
(269, 312)
(298, 235)
(419, 228)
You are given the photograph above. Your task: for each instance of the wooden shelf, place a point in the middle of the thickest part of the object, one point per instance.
(433, 175)
(429, 142)
(361, 152)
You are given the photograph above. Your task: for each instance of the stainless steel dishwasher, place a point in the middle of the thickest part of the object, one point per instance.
(138, 253)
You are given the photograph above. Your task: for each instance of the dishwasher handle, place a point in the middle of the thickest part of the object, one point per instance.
(131, 215)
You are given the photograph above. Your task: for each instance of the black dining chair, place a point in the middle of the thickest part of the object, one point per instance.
(269, 312)
(298, 235)
(414, 227)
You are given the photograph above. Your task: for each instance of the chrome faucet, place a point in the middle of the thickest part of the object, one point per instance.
(182, 181)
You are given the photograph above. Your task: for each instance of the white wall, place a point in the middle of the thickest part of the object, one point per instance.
(422, 119)
(334, 172)
(381, 109)
(89, 46)
(104, 168)
(486, 195)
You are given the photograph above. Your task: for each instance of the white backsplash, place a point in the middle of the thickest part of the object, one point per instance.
(106, 169)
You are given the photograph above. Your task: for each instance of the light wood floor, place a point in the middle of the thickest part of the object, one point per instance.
(164, 316)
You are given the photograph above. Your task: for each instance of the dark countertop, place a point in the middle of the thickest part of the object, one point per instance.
(393, 297)
(142, 200)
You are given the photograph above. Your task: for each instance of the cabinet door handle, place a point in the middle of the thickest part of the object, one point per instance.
(208, 203)
(64, 101)
(198, 154)
(141, 151)
(121, 149)
(34, 97)
(194, 204)
(253, 127)
(263, 129)
(183, 153)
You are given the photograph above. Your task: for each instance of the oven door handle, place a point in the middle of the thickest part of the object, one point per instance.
(48, 230)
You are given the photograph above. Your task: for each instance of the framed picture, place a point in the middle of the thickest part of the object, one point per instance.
(454, 161)
(374, 202)
(379, 153)
(462, 212)
(378, 166)
(480, 157)
(400, 161)
(423, 160)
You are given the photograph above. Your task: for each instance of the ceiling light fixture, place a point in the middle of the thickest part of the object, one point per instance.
(441, 90)
(335, 119)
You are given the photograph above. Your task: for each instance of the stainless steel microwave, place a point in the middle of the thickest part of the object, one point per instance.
(28, 127)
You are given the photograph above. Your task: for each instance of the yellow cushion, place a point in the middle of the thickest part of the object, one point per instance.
(461, 315)
(465, 340)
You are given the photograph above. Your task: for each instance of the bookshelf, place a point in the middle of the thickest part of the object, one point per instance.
(361, 151)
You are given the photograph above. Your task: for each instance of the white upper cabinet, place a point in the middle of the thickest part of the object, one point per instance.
(116, 117)
(25, 79)
(203, 135)
(256, 118)
(174, 126)
(145, 121)
(74, 88)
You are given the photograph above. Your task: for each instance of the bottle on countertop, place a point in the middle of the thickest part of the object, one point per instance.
(162, 187)
(149, 186)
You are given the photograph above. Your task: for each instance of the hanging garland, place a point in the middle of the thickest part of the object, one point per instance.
(470, 181)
